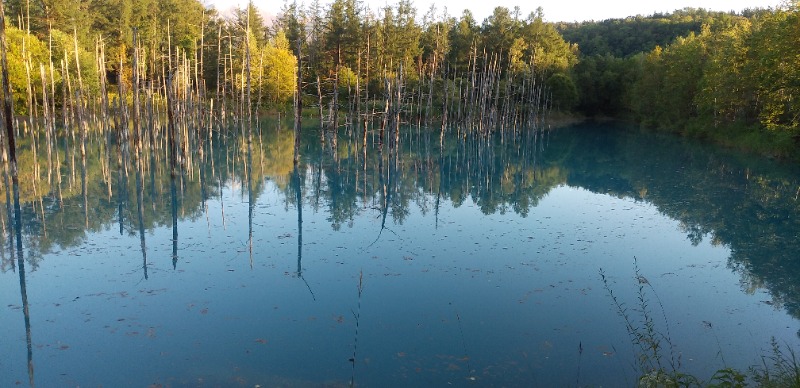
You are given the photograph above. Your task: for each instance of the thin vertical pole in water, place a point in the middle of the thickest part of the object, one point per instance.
(247, 70)
(357, 317)
(173, 169)
(321, 114)
(79, 92)
(9, 154)
(47, 124)
(299, 204)
(298, 102)
(219, 85)
(23, 289)
(140, 212)
(9, 123)
(136, 105)
(250, 196)
(174, 196)
(335, 119)
(8, 104)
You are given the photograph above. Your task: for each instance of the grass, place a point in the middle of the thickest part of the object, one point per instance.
(658, 362)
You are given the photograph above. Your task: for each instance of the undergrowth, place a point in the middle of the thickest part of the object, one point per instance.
(658, 362)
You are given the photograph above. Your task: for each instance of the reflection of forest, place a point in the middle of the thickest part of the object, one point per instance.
(750, 206)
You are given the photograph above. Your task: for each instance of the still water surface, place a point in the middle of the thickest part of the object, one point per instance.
(477, 262)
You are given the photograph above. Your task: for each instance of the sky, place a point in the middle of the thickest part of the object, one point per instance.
(554, 10)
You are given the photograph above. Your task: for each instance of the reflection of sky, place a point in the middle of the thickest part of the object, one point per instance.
(507, 297)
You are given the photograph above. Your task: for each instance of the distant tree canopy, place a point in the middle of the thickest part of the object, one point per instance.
(635, 34)
(696, 72)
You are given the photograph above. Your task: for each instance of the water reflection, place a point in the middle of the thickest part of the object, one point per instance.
(17, 250)
(745, 204)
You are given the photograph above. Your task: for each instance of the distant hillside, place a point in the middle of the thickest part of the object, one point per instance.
(625, 37)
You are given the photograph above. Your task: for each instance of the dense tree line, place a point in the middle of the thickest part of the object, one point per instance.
(691, 70)
(730, 77)
(346, 48)
(170, 35)
(622, 38)
(351, 52)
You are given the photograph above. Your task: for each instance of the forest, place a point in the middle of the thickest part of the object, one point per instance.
(729, 77)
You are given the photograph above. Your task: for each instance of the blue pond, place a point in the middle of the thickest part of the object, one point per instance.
(526, 259)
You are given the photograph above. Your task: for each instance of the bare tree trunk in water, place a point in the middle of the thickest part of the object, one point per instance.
(298, 103)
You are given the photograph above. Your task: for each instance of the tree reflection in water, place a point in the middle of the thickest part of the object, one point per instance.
(746, 204)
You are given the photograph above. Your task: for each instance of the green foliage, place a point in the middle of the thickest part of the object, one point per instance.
(25, 53)
(249, 19)
(650, 342)
(280, 69)
(563, 91)
(544, 48)
(273, 69)
(658, 362)
(626, 37)
(696, 72)
(780, 369)
(723, 74)
(64, 50)
(463, 41)
(604, 84)
(724, 93)
(728, 378)
(775, 67)
(668, 81)
(692, 70)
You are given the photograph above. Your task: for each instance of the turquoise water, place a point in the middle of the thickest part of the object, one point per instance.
(477, 262)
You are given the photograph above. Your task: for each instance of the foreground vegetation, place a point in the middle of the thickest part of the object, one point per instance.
(659, 361)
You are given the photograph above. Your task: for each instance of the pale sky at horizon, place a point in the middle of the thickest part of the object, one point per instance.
(554, 10)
